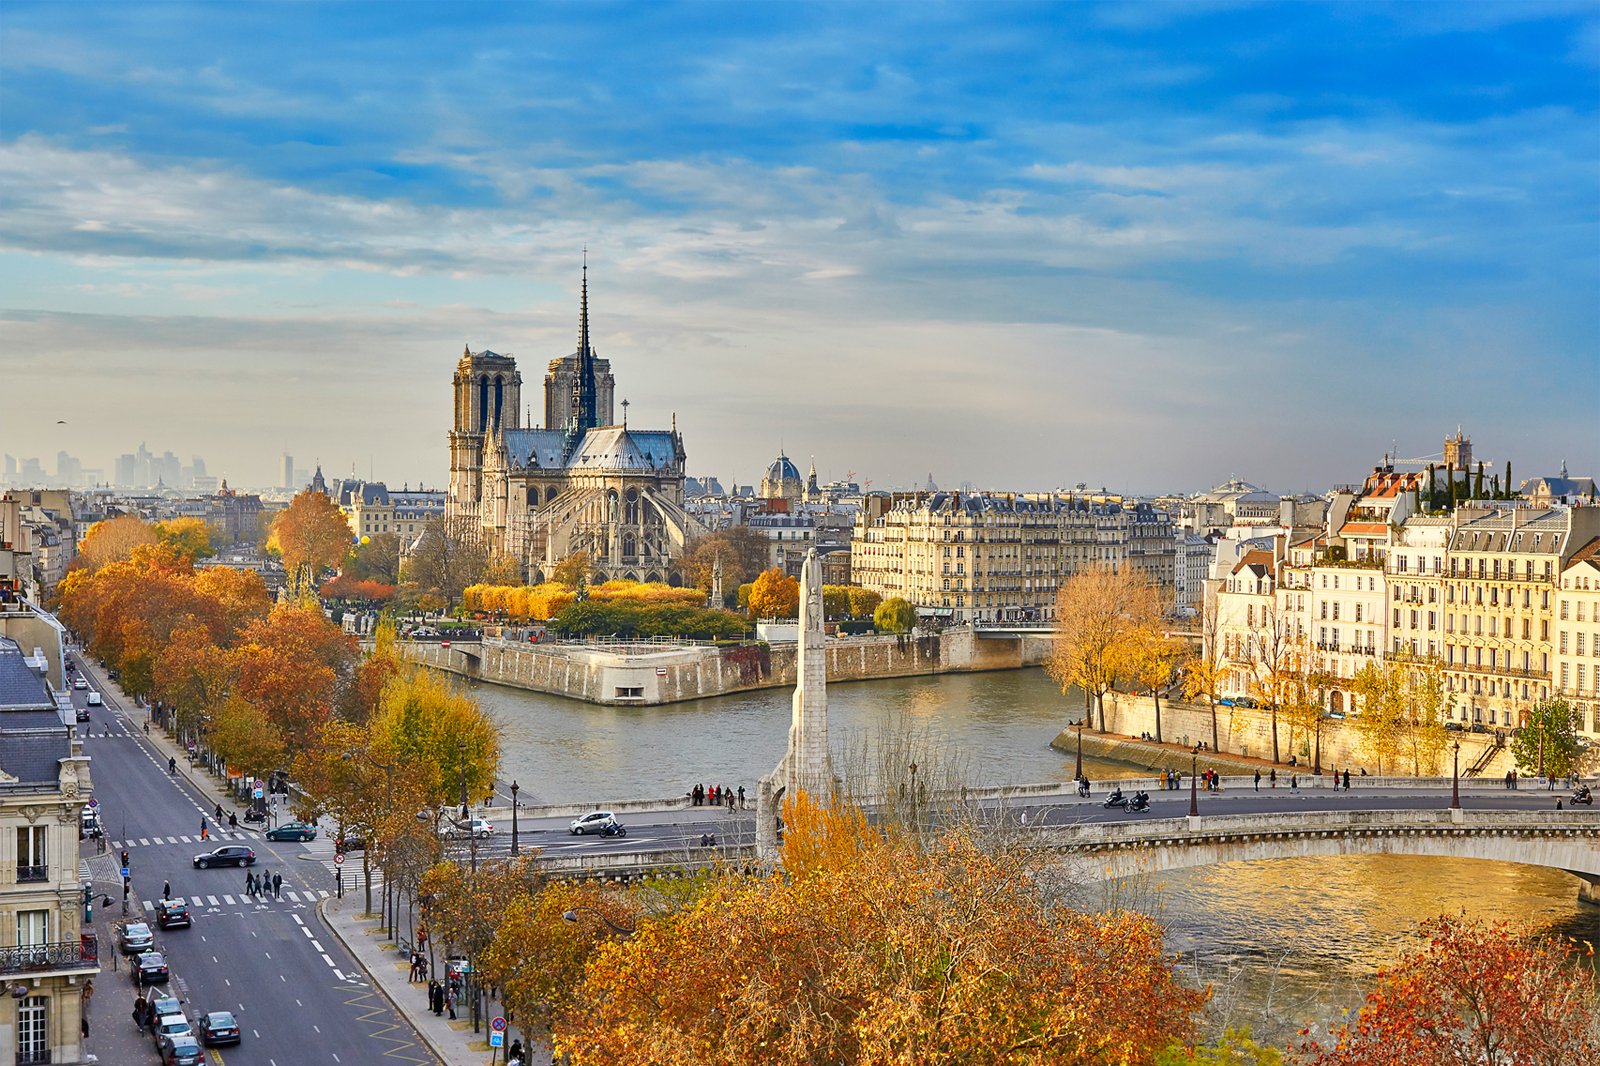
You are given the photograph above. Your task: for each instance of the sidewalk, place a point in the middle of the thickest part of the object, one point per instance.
(453, 1041)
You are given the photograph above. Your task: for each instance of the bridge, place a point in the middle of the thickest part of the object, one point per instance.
(1394, 817)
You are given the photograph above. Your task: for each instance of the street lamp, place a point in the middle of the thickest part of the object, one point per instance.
(620, 930)
(1194, 795)
(1455, 779)
(514, 790)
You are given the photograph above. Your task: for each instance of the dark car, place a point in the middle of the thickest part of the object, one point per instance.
(218, 1028)
(1454, 727)
(293, 831)
(83, 714)
(351, 840)
(227, 855)
(171, 913)
(181, 1051)
(1479, 727)
(151, 969)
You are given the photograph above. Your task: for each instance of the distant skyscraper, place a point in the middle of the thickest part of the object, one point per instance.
(199, 467)
(287, 481)
(124, 471)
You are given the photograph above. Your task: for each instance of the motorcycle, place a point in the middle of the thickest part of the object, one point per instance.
(613, 829)
(1116, 799)
(1582, 796)
(1140, 802)
(253, 815)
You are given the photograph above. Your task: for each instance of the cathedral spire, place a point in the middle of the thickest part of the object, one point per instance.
(583, 417)
(583, 311)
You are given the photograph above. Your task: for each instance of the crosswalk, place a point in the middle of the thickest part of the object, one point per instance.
(155, 841)
(225, 900)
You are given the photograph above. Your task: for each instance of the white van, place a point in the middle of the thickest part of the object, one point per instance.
(94, 699)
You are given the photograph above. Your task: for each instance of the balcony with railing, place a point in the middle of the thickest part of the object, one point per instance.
(61, 955)
(35, 1056)
(32, 874)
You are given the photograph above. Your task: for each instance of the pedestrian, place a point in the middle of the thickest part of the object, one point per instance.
(433, 996)
(138, 1012)
(277, 886)
(1258, 780)
(1294, 782)
(233, 820)
(1347, 779)
(450, 1002)
(218, 814)
(249, 882)
(741, 801)
(729, 797)
(696, 793)
(166, 890)
(514, 1053)
(204, 828)
(1272, 777)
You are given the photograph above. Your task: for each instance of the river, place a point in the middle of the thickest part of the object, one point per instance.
(1281, 942)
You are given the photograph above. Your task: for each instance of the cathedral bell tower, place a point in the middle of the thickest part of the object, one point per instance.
(488, 399)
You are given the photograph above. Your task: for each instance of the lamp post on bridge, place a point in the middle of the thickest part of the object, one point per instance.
(1077, 774)
(1194, 793)
(1455, 779)
(514, 790)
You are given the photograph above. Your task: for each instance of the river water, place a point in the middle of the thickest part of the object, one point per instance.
(1281, 942)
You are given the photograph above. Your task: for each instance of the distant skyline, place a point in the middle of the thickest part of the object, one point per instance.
(1149, 246)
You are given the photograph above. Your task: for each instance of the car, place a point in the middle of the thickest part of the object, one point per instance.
(227, 855)
(174, 1023)
(181, 1051)
(83, 714)
(351, 840)
(472, 827)
(591, 822)
(171, 913)
(1454, 727)
(293, 831)
(135, 938)
(165, 1003)
(1479, 727)
(151, 969)
(94, 699)
(89, 826)
(218, 1028)
(80, 683)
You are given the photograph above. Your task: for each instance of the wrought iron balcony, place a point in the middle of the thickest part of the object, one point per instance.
(37, 1057)
(33, 958)
(32, 873)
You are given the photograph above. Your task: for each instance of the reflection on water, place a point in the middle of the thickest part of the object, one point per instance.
(998, 724)
(1292, 940)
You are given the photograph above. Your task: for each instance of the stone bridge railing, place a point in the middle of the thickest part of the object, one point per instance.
(1562, 840)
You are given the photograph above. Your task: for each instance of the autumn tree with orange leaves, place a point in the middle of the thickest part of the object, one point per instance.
(1473, 995)
(113, 540)
(774, 594)
(873, 947)
(312, 536)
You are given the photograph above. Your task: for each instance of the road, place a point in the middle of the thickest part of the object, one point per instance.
(299, 997)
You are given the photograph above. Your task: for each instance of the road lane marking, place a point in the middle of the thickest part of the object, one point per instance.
(329, 961)
(211, 900)
(226, 899)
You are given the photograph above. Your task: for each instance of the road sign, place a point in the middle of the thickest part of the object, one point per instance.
(338, 860)
(497, 1040)
(661, 671)
(124, 873)
(258, 793)
(93, 803)
(498, 1024)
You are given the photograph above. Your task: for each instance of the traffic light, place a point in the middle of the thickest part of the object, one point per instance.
(124, 856)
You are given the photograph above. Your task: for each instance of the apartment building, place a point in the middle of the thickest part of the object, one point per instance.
(992, 557)
(1576, 665)
(45, 958)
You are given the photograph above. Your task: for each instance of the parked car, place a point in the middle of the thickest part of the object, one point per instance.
(1479, 727)
(151, 969)
(591, 822)
(165, 1003)
(182, 1051)
(169, 1025)
(293, 831)
(472, 827)
(218, 1028)
(136, 937)
(89, 825)
(1455, 727)
(227, 855)
(172, 913)
(351, 840)
(94, 699)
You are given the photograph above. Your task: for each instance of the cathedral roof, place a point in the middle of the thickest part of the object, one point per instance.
(782, 470)
(607, 448)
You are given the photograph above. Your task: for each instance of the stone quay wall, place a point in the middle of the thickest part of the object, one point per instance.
(1245, 733)
(645, 674)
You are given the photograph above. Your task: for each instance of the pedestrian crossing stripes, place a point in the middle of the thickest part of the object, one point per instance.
(289, 896)
(147, 842)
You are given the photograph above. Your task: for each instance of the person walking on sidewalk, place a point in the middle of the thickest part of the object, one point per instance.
(138, 1012)
(450, 1002)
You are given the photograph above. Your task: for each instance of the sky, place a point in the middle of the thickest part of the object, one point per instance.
(1146, 246)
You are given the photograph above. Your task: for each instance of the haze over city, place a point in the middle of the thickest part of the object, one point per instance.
(1024, 246)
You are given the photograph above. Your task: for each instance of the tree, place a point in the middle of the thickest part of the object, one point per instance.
(1150, 658)
(191, 536)
(376, 558)
(113, 540)
(247, 739)
(312, 536)
(443, 565)
(294, 666)
(503, 569)
(875, 947)
(1379, 722)
(436, 736)
(742, 550)
(1204, 673)
(894, 615)
(1472, 995)
(1270, 657)
(1548, 743)
(571, 571)
(1097, 611)
(1426, 707)
(774, 595)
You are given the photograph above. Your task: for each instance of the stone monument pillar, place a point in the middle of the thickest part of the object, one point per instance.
(807, 766)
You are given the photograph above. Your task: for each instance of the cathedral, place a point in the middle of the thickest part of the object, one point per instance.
(580, 484)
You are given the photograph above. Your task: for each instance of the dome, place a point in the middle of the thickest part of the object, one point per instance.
(782, 480)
